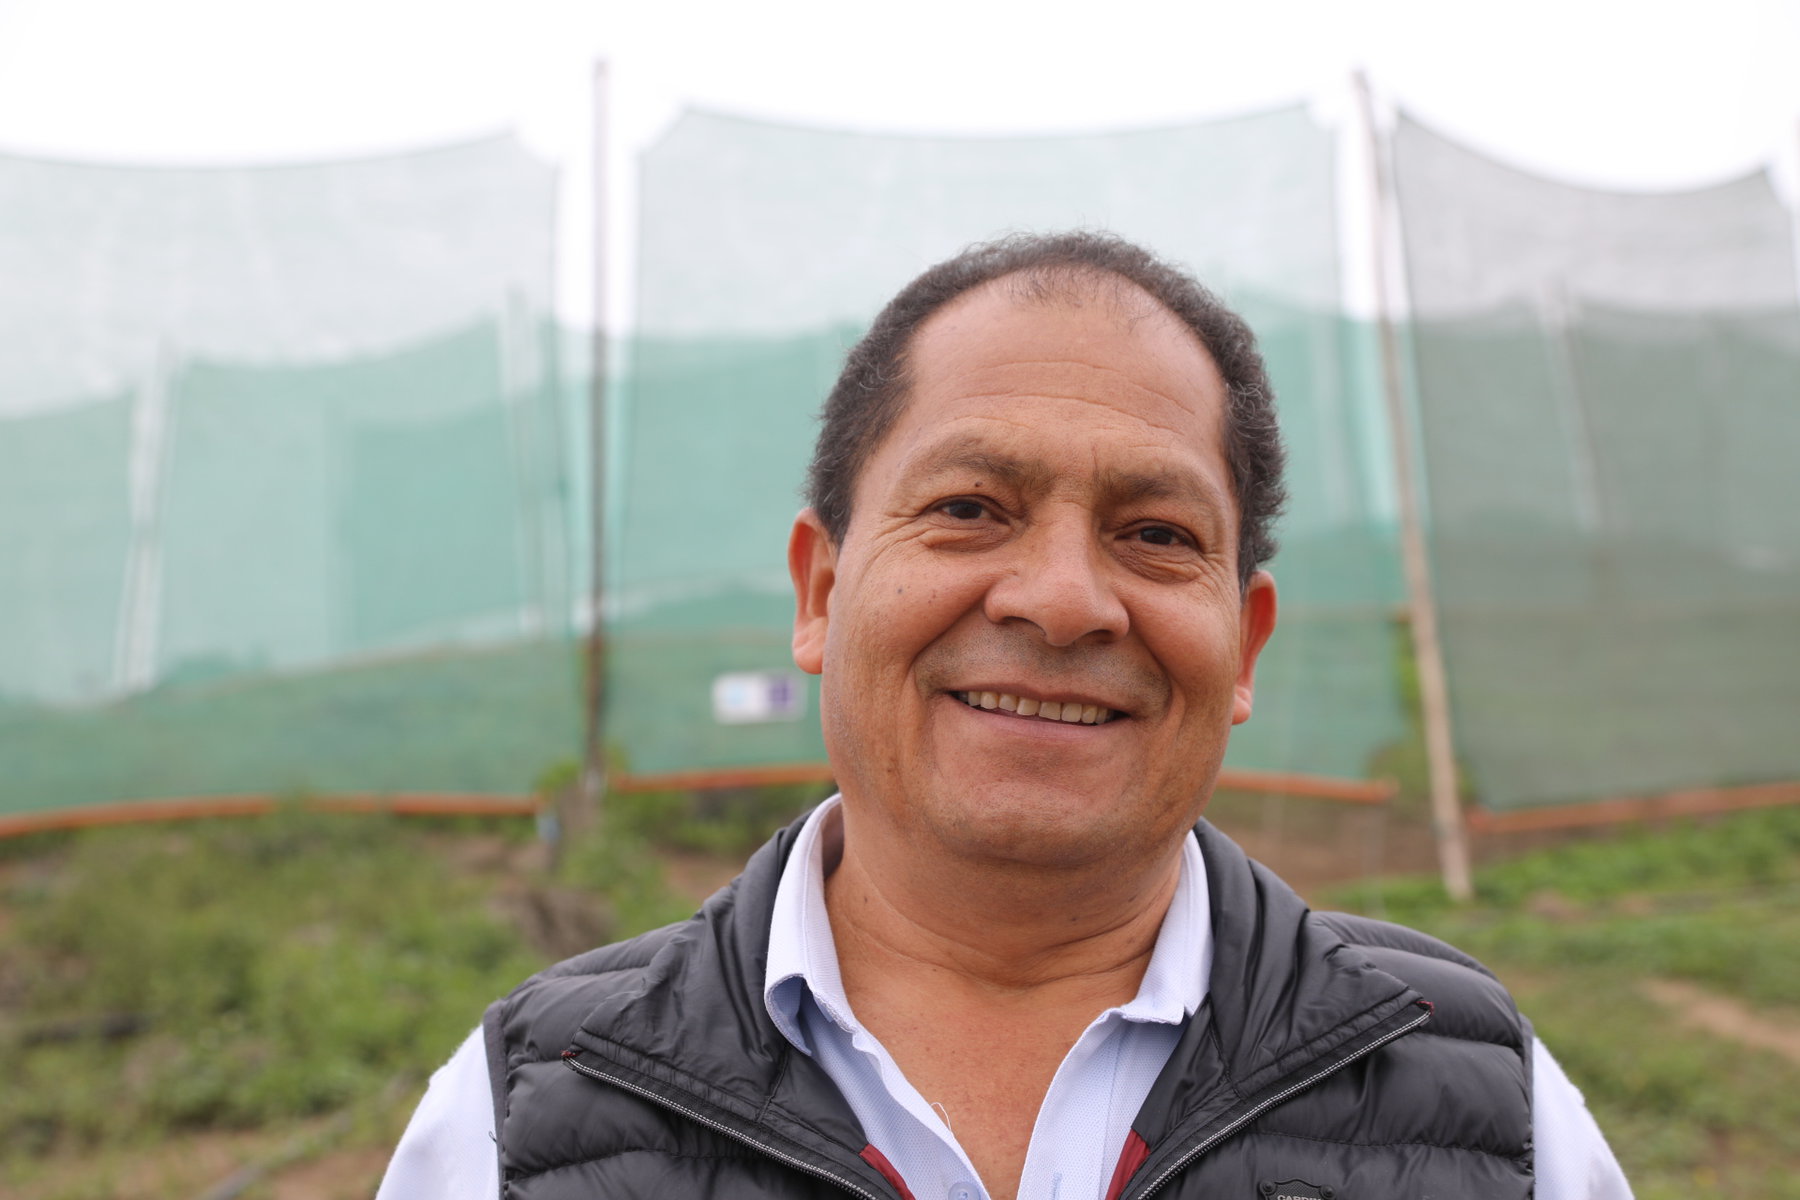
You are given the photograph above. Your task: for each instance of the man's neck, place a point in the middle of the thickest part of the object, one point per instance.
(979, 982)
(998, 929)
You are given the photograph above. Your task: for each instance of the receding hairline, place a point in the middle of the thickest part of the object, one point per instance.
(1071, 285)
(1059, 286)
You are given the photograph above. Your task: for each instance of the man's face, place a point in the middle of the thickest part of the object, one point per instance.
(1048, 527)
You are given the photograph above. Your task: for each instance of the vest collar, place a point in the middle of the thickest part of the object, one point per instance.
(1286, 996)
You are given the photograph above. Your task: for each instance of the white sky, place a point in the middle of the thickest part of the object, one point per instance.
(1632, 94)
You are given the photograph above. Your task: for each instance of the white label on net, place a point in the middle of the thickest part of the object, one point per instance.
(744, 697)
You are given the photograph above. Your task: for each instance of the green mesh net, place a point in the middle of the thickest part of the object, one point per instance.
(318, 538)
(65, 531)
(294, 489)
(1609, 388)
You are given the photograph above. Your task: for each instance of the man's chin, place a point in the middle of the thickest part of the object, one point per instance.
(1040, 828)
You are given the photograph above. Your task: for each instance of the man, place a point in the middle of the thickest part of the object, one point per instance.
(1009, 960)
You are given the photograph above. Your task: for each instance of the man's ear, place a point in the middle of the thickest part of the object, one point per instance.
(1256, 621)
(812, 564)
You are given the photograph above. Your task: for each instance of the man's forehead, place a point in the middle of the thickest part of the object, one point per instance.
(1097, 321)
(1098, 324)
(1007, 359)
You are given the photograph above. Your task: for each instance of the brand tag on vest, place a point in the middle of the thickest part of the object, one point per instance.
(1295, 1189)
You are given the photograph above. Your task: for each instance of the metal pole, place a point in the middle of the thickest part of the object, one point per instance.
(1434, 692)
(592, 786)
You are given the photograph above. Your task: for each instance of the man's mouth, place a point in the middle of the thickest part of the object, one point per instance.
(1070, 712)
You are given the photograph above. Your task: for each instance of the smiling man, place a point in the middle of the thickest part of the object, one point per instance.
(1010, 959)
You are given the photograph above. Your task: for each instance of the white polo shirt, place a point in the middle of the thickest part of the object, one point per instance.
(1098, 1089)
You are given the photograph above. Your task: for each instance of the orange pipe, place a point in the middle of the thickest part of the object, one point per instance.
(187, 808)
(1625, 809)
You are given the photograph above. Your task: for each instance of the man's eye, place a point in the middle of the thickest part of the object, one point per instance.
(1160, 535)
(963, 510)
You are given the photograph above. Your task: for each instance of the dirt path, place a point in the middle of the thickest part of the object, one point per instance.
(1725, 1017)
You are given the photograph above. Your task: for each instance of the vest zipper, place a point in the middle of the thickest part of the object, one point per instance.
(1186, 1159)
(727, 1130)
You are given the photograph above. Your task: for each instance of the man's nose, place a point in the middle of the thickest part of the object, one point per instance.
(1060, 581)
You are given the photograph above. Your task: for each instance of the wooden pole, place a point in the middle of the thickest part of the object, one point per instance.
(592, 785)
(1434, 693)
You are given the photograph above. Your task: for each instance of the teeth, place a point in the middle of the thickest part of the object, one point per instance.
(1069, 713)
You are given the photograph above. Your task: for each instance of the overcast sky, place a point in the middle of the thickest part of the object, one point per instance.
(1634, 94)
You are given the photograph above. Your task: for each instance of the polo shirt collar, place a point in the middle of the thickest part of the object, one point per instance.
(803, 956)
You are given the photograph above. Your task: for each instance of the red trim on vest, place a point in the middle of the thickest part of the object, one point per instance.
(878, 1160)
(1130, 1159)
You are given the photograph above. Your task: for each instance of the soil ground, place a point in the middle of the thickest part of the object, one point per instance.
(1726, 1017)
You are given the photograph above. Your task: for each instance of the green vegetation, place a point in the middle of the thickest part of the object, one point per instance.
(1652, 963)
(166, 984)
(229, 975)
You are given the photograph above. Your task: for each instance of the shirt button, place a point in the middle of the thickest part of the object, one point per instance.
(963, 1191)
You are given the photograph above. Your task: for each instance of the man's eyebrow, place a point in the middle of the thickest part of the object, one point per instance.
(1004, 468)
(1133, 487)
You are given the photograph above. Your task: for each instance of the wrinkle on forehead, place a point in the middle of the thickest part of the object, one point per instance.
(1092, 374)
(1151, 427)
(1022, 397)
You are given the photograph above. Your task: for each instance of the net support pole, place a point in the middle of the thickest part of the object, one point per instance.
(140, 604)
(1794, 196)
(592, 784)
(1434, 692)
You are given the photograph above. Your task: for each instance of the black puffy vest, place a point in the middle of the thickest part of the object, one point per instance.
(1335, 1056)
